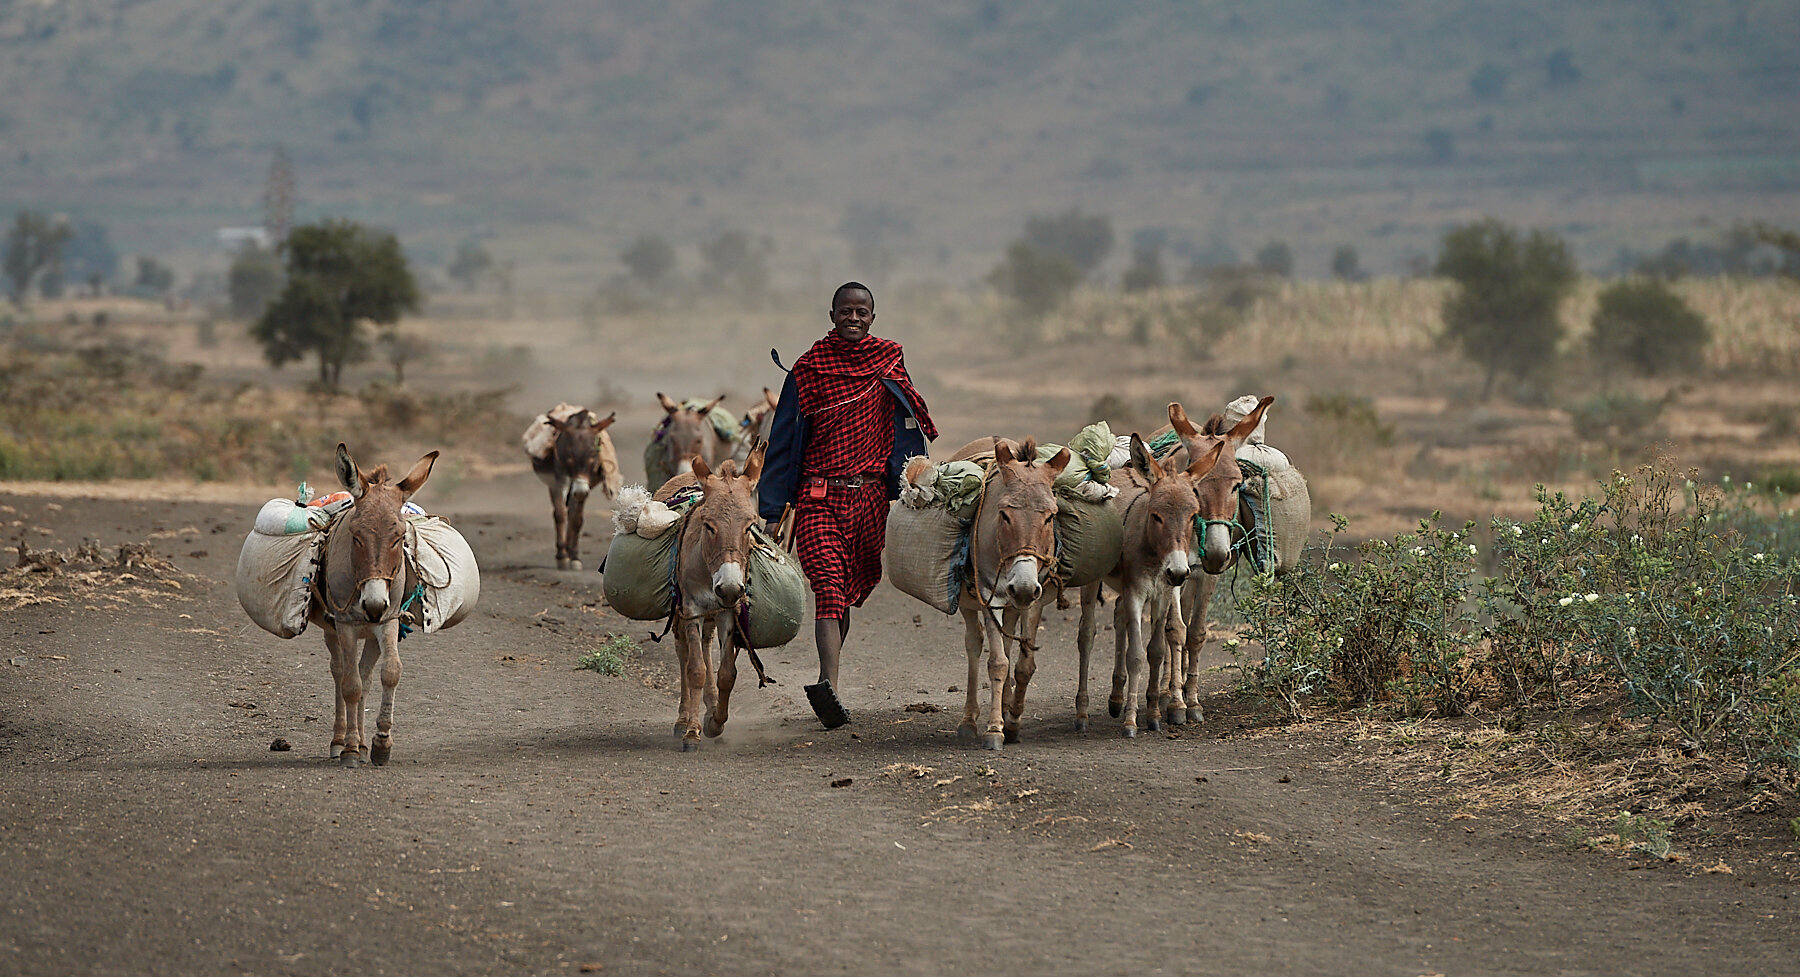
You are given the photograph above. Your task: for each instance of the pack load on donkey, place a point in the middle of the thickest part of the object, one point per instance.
(928, 528)
(280, 558)
(726, 429)
(642, 562)
(539, 442)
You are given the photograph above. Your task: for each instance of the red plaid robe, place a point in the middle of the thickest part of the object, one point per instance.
(851, 412)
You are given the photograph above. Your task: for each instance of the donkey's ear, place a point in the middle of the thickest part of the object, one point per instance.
(1058, 462)
(667, 404)
(421, 470)
(769, 397)
(1247, 426)
(753, 465)
(348, 474)
(605, 422)
(1178, 419)
(1002, 451)
(702, 470)
(1206, 462)
(1143, 460)
(716, 402)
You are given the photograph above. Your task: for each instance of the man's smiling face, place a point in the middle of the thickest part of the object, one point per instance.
(852, 313)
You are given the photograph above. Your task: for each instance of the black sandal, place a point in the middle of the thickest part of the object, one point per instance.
(826, 706)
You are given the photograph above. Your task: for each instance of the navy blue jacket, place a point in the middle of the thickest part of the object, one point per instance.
(788, 435)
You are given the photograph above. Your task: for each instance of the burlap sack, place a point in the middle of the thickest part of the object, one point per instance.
(927, 554)
(1288, 508)
(274, 577)
(639, 574)
(444, 563)
(1089, 537)
(776, 594)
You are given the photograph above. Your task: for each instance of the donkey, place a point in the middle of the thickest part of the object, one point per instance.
(711, 574)
(1012, 551)
(1225, 523)
(571, 470)
(1157, 506)
(753, 427)
(360, 595)
(681, 436)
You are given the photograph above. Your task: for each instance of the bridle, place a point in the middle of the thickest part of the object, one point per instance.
(1046, 568)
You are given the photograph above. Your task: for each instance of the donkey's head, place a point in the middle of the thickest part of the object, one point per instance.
(1170, 508)
(685, 433)
(724, 517)
(377, 533)
(1025, 526)
(577, 449)
(1222, 480)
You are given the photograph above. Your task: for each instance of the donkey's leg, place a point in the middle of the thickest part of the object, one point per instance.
(559, 511)
(1115, 703)
(1199, 598)
(382, 746)
(693, 682)
(727, 680)
(1156, 653)
(349, 699)
(572, 530)
(338, 720)
(973, 631)
(1024, 667)
(1128, 619)
(999, 666)
(1084, 645)
(709, 692)
(1173, 635)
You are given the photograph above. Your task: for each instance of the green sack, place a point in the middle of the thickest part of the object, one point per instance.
(1089, 538)
(639, 574)
(775, 593)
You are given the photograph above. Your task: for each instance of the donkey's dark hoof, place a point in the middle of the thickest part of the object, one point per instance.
(689, 745)
(1196, 715)
(965, 733)
(992, 741)
(350, 761)
(1175, 716)
(1081, 725)
(1012, 734)
(379, 753)
(1153, 723)
(1115, 709)
(1129, 732)
(337, 750)
(711, 728)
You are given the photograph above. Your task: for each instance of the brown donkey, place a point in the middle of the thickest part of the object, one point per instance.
(572, 470)
(1012, 551)
(360, 594)
(1224, 522)
(684, 434)
(711, 577)
(1158, 506)
(753, 427)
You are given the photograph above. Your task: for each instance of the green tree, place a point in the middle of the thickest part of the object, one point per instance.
(650, 259)
(1037, 280)
(1346, 265)
(1642, 324)
(253, 281)
(736, 260)
(33, 244)
(153, 276)
(1276, 258)
(1503, 314)
(1084, 239)
(1146, 271)
(339, 275)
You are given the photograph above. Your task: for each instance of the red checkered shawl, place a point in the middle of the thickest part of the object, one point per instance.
(841, 392)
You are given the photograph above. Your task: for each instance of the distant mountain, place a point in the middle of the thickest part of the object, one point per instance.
(924, 132)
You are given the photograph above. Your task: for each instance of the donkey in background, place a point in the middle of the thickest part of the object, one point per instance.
(681, 436)
(753, 427)
(360, 594)
(581, 459)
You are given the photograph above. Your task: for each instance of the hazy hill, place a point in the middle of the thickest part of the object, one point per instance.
(564, 129)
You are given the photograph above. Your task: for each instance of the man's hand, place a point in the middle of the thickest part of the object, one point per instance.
(773, 528)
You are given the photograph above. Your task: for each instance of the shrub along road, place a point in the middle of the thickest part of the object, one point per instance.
(539, 819)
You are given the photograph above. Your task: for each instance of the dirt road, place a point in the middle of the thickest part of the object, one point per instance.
(537, 819)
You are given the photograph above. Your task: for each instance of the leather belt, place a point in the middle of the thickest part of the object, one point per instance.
(853, 481)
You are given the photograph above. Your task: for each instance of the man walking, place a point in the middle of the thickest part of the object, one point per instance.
(847, 420)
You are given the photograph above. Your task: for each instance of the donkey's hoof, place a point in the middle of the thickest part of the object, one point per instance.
(1012, 734)
(711, 728)
(965, 733)
(1175, 716)
(562, 563)
(379, 752)
(337, 750)
(680, 730)
(573, 565)
(1196, 715)
(350, 760)
(992, 741)
(1114, 709)
(1153, 723)
(1081, 725)
(1129, 732)
(689, 744)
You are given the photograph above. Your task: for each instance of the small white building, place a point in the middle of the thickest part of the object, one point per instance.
(234, 238)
